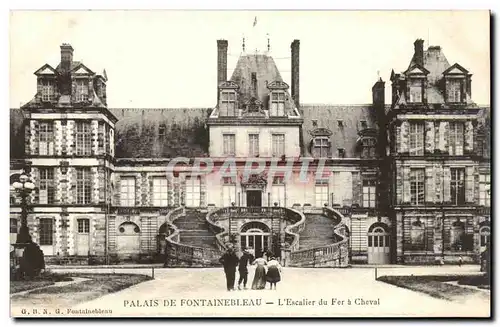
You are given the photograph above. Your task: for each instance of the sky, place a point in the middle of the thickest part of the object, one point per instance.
(168, 59)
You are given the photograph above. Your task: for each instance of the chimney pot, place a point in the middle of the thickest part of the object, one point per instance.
(66, 56)
(221, 63)
(419, 52)
(295, 47)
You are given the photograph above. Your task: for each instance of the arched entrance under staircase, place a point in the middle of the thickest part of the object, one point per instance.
(257, 236)
(379, 244)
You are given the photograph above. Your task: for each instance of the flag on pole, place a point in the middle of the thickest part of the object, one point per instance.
(255, 21)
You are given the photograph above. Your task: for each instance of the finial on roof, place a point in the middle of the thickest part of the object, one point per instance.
(243, 44)
(268, 43)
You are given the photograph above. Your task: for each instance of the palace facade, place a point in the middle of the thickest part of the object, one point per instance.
(319, 185)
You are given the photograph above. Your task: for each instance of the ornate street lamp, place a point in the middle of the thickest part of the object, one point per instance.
(24, 187)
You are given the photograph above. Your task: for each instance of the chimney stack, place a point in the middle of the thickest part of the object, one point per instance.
(66, 57)
(378, 93)
(419, 52)
(295, 72)
(221, 63)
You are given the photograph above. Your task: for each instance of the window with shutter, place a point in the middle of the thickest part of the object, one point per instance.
(454, 91)
(228, 103)
(457, 186)
(127, 191)
(416, 138)
(46, 138)
(253, 142)
(278, 145)
(46, 187)
(456, 138)
(321, 192)
(228, 145)
(277, 103)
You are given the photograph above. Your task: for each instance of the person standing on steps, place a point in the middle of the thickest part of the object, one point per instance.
(245, 259)
(229, 260)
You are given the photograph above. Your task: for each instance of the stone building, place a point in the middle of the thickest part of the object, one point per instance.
(120, 184)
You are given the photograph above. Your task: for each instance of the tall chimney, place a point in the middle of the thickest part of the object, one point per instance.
(66, 57)
(419, 52)
(295, 72)
(221, 63)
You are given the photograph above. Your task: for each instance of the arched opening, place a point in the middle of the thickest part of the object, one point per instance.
(128, 239)
(457, 235)
(379, 244)
(163, 232)
(484, 237)
(255, 235)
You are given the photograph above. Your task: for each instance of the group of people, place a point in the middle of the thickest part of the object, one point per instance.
(230, 261)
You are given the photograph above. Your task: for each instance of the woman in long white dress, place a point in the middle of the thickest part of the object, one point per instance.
(259, 279)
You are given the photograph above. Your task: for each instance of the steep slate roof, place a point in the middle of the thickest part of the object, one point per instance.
(436, 63)
(266, 72)
(328, 116)
(137, 133)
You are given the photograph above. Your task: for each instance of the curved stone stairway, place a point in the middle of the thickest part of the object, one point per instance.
(194, 230)
(318, 231)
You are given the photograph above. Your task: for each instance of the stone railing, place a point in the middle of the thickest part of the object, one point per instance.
(332, 255)
(182, 255)
(296, 220)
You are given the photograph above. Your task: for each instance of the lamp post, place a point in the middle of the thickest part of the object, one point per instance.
(24, 187)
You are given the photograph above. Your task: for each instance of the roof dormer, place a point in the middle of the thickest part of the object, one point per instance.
(228, 99)
(457, 84)
(416, 77)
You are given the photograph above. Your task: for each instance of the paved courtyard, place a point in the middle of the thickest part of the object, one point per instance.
(181, 292)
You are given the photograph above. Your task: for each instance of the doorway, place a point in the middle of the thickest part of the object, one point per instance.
(82, 237)
(254, 198)
(255, 235)
(378, 245)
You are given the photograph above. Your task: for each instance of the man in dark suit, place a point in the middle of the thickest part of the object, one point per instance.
(245, 260)
(229, 260)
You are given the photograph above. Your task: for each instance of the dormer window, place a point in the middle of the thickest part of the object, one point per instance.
(340, 123)
(48, 90)
(368, 145)
(363, 124)
(277, 103)
(341, 152)
(162, 130)
(416, 88)
(82, 90)
(321, 147)
(454, 91)
(228, 103)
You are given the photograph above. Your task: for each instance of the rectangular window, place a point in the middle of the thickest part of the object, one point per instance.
(160, 191)
(321, 147)
(82, 90)
(83, 135)
(83, 226)
(278, 146)
(46, 186)
(278, 191)
(457, 186)
(48, 90)
(368, 148)
(369, 194)
(454, 91)
(277, 104)
(108, 139)
(127, 191)
(456, 141)
(363, 124)
(341, 152)
(416, 91)
(83, 185)
(416, 139)
(229, 147)
(193, 191)
(417, 186)
(101, 140)
(228, 191)
(321, 192)
(13, 225)
(228, 103)
(253, 142)
(46, 231)
(484, 190)
(46, 140)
